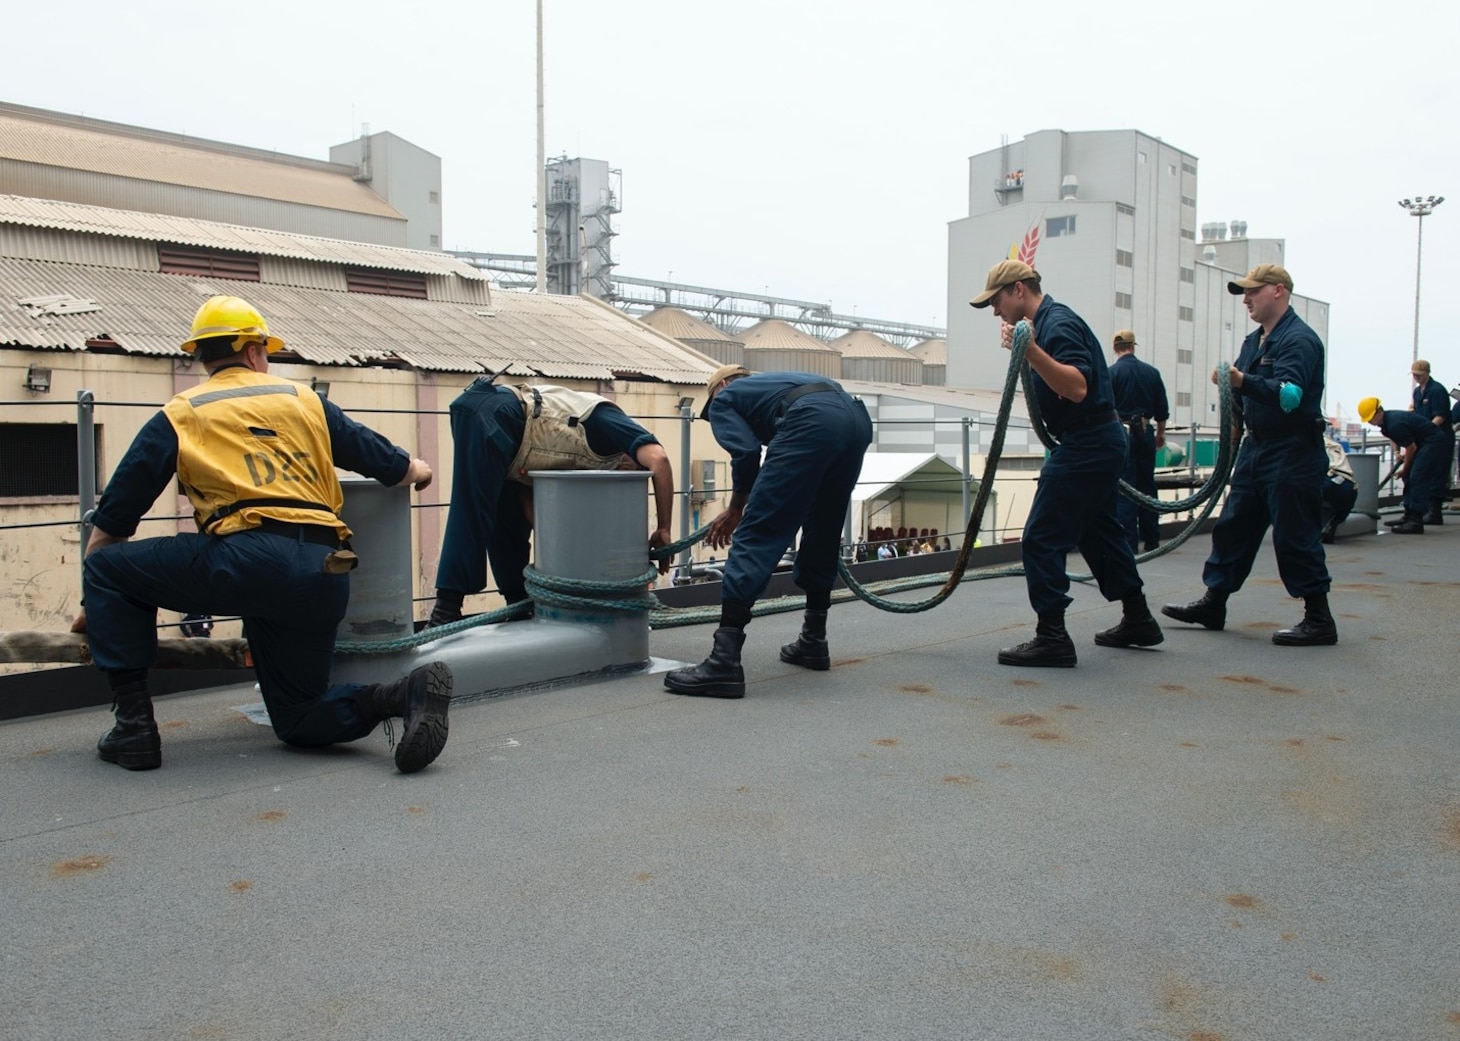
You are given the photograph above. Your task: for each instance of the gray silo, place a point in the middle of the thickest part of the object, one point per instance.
(934, 354)
(696, 334)
(868, 357)
(774, 346)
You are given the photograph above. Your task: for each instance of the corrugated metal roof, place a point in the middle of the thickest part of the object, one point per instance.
(178, 162)
(933, 352)
(859, 343)
(187, 231)
(671, 321)
(558, 337)
(774, 334)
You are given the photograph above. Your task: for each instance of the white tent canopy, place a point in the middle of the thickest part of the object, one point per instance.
(905, 489)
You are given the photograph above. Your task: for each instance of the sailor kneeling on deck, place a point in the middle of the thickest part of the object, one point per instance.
(256, 456)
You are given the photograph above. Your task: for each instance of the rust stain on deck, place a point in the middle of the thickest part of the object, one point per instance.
(243, 885)
(1173, 688)
(1242, 900)
(1242, 679)
(1024, 683)
(415, 809)
(80, 865)
(176, 724)
(1279, 689)
(916, 688)
(271, 816)
(42, 751)
(887, 742)
(1070, 708)
(958, 779)
(1028, 719)
(1046, 735)
(643, 876)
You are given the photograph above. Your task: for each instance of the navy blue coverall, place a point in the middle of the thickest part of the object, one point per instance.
(814, 448)
(1431, 462)
(1278, 477)
(1140, 396)
(486, 519)
(275, 581)
(1075, 500)
(1431, 400)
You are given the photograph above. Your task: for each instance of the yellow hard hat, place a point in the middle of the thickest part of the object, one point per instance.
(231, 316)
(1367, 408)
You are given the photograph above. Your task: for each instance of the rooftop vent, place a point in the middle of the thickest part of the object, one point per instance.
(1069, 187)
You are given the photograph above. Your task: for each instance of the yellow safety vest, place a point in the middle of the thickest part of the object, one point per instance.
(553, 437)
(251, 447)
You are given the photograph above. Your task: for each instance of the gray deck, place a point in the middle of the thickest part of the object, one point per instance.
(1217, 840)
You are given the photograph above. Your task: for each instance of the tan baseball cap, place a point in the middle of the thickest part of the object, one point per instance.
(1125, 338)
(724, 372)
(1262, 275)
(1420, 367)
(1004, 273)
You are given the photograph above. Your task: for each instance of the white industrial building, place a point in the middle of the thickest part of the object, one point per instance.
(1108, 218)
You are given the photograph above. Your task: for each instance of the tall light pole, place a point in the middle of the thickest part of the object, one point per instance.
(541, 169)
(1420, 206)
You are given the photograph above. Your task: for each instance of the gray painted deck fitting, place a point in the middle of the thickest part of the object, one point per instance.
(1213, 839)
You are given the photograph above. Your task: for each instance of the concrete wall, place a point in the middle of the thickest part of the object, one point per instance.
(40, 578)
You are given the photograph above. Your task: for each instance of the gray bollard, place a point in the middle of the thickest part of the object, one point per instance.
(380, 588)
(591, 525)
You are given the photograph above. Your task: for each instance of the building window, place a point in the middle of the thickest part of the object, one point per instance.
(1129, 211)
(1188, 233)
(1123, 301)
(1189, 168)
(1183, 399)
(1054, 227)
(435, 240)
(41, 460)
(1188, 274)
(1171, 169)
(207, 263)
(1141, 158)
(386, 283)
(1125, 258)
(1187, 200)
(434, 196)
(1183, 356)
(1185, 314)
(1227, 326)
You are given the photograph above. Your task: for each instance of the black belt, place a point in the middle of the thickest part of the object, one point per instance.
(1136, 420)
(1087, 422)
(315, 533)
(800, 392)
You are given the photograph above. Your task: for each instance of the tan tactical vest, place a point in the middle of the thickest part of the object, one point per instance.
(554, 438)
(252, 446)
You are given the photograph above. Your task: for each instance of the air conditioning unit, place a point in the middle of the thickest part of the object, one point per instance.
(703, 475)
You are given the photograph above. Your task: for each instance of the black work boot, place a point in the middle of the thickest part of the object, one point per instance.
(1412, 524)
(134, 743)
(422, 700)
(1434, 516)
(447, 608)
(719, 675)
(1317, 629)
(810, 650)
(1136, 629)
(1210, 611)
(1050, 648)
(1329, 532)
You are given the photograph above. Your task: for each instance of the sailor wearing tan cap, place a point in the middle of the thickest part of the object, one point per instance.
(1075, 500)
(814, 436)
(1140, 397)
(1432, 403)
(1277, 480)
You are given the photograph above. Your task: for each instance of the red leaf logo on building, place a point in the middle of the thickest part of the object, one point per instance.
(1030, 245)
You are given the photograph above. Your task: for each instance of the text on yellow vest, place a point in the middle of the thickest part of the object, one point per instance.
(554, 438)
(250, 447)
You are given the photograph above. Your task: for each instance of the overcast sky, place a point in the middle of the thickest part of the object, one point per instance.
(819, 150)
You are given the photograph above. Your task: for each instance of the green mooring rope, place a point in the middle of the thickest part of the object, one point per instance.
(579, 594)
